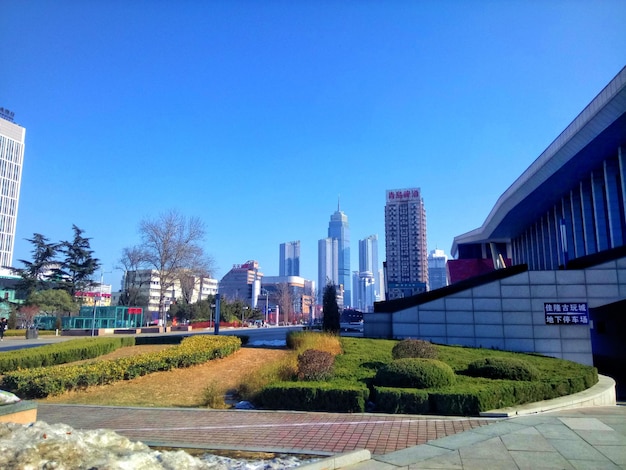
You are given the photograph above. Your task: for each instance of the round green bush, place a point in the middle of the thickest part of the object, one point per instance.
(414, 348)
(415, 373)
(502, 368)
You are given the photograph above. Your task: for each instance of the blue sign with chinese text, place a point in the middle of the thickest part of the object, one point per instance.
(566, 313)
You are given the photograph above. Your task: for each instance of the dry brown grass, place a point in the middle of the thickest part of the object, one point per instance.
(177, 388)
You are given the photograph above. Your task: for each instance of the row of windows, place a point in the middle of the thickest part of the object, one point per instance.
(11, 150)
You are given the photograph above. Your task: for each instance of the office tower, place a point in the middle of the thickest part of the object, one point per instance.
(339, 230)
(437, 271)
(327, 265)
(405, 243)
(289, 262)
(11, 159)
(366, 281)
(242, 282)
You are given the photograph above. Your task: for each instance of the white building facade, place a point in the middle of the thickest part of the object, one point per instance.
(12, 140)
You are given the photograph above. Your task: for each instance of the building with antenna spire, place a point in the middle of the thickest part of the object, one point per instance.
(338, 239)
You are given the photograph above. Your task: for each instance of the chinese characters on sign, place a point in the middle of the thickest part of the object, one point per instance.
(403, 194)
(566, 313)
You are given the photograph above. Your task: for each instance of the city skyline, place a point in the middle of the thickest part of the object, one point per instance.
(275, 109)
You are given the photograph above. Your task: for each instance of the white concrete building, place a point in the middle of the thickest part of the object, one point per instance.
(12, 139)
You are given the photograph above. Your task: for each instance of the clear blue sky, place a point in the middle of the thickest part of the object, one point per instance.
(256, 116)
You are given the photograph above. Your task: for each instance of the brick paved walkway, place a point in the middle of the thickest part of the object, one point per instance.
(291, 432)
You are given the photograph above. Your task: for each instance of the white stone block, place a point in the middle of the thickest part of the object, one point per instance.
(576, 346)
(601, 276)
(428, 316)
(459, 304)
(516, 305)
(488, 318)
(543, 291)
(431, 329)
(487, 290)
(487, 305)
(547, 331)
(460, 317)
(519, 345)
(541, 277)
(518, 331)
(570, 277)
(516, 292)
(488, 331)
(459, 330)
(570, 291)
(548, 346)
(517, 318)
(607, 291)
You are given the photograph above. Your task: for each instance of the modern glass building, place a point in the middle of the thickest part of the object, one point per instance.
(405, 243)
(289, 260)
(327, 265)
(12, 138)
(339, 229)
(437, 271)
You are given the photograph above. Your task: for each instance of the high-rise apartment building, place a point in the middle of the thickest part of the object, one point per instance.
(289, 262)
(437, 271)
(339, 229)
(405, 243)
(327, 265)
(12, 139)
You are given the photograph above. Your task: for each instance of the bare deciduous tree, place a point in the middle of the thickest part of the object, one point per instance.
(131, 262)
(170, 244)
(284, 300)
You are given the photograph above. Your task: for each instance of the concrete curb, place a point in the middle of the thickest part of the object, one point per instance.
(601, 394)
(339, 461)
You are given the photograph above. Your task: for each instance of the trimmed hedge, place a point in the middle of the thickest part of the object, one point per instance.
(401, 400)
(415, 373)
(44, 381)
(507, 368)
(61, 353)
(414, 348)
(314, 396)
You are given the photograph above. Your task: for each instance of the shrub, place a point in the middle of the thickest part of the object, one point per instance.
(507, 368)
(401, 400)
(414, 348)
(415, 373)
(314, 396)
(315, 365)
(302, 340)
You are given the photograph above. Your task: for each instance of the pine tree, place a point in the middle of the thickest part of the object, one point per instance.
(331, 319)
(79, 265)
(36, 273)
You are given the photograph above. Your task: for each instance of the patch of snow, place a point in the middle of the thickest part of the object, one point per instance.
(40, 445)
(276, 343)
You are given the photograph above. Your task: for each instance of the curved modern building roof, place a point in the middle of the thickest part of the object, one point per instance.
(596, 132)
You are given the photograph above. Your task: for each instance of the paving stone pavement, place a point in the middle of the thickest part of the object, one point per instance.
(585, 438)
(271, 431)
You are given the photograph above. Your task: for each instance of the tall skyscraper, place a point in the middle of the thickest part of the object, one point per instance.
(405, 243)
(437, 271)
(339, 229)
(289, 262)
(12, 138)
(327, 265)
(366, 281)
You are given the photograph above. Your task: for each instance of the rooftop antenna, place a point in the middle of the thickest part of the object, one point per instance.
(338, 207)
